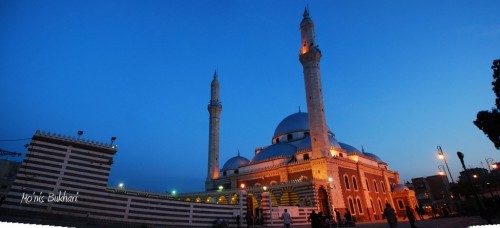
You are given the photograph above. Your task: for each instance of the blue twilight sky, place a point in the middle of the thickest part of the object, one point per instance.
(399, 78)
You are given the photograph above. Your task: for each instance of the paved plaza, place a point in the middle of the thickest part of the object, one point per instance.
(454, 222)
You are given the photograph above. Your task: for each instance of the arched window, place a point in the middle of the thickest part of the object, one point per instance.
(360, 208)
(351, 206)
(354, 183)
(346, 180)
(277, 140)
(383, 186)
(380, 205)
(305, 157)
(289, 137)
(373, 206)
(375, 186)
(401, 205)
(367, 185)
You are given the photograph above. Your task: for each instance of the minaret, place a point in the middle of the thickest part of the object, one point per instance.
(214, 108)
(309, 56)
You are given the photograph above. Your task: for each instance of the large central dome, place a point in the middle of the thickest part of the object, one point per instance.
(293, 123)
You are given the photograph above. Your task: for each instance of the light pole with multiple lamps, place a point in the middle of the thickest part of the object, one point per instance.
(441, 156)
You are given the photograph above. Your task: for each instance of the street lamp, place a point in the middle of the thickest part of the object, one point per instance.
(441, 170)
(120, 185)
(441, 156)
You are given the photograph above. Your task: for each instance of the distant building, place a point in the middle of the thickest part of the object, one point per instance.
(8, 171)
(476, 174)
(432, 189)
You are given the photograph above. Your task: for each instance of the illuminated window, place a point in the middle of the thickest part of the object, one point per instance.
(346, 180)
(401, 205)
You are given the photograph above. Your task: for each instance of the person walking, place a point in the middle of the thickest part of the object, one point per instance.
(287, 219)
(411, 216)
(390, 215)
(337, 216)
(348, 216)
(313, 218)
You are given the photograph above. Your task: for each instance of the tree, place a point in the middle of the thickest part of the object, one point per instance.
(489, 121)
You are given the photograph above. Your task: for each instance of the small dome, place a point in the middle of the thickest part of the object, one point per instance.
(401, 188)
(375, 157)
(293, 123)
(350, 149)
(235, 163)
(275, 150)
(306, 143)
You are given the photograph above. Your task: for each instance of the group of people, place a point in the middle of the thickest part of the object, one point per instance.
(392, 219)
(318, 220)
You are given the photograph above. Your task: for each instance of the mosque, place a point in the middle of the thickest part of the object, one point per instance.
(305, 168)
(305, 165)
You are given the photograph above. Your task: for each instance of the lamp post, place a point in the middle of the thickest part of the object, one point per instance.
(441, 156)
(461, 157)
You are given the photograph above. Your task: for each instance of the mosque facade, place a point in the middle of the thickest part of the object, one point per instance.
(305, 165)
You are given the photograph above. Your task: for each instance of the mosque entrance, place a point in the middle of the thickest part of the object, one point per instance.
(323, 201)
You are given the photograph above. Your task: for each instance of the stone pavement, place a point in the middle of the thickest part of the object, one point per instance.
(454, 222)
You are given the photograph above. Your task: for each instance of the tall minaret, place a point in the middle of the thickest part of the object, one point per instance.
(214, 108)
(309, 56)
